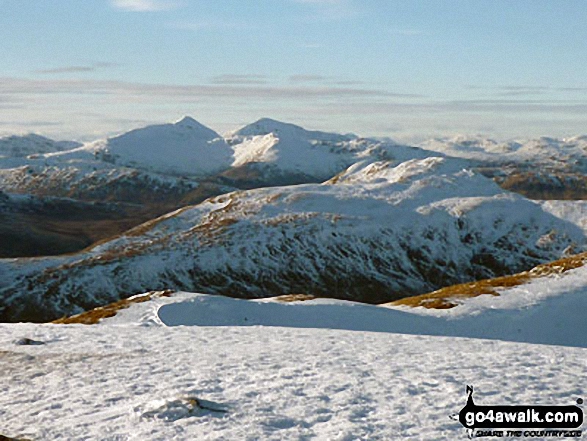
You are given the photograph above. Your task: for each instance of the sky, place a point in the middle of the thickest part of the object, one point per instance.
(406, 69)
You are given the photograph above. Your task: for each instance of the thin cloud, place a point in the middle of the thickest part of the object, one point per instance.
(393, 108)
(322, 79)
(513, 88)
(33, 124)
(523, 90)
(352, 83)
(143, 91)
(144, 5)
(307, 78)
(15, 91)
(518, 106)
(231, 79)
(76, 69)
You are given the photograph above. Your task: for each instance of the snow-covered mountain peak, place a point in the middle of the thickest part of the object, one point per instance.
(276, 149)
(265, 126)
(283, 130)
(186, 128)
(185, 147)
(545, 150)
(189, 123)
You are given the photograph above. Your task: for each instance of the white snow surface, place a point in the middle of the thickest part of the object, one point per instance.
(541, 313)
(269, 371)
(289, 149)
(24, 145)
(182, 148)
(567, 153)
(77, 173)
(571, 211)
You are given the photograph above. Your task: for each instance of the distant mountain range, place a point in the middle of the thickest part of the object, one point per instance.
(543, 168)
(272, 209)
(269, 153)
(374, 233)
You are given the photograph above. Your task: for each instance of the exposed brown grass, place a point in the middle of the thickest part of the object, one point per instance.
(149, 225)
(542, 186)
(295, 298)
(94, 316)
(449, 297)
(216, 222)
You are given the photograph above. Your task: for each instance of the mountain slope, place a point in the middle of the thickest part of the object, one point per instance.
(263, 370)
(539, 316)
(33, 226)
(567, 153)
(89, 180)
(374, 233)
(19, 146)
(140, 166)
(532, 281)
(269, 153)
(543, 168)
(182, 148)
(64, 202)
(87, 177)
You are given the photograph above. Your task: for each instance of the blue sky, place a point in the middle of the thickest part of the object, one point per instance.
(407, 69)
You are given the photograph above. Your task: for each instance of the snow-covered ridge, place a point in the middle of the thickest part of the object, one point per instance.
(153, 164)
(314, 369)
(530, 316)
(265, 126)
(552, 300)
(78, 175)
(542, 168)
(276, 148)
(380, 233)
(189, 147)
(269, 153)
(570, 153)
(20, 146)
(182, 148)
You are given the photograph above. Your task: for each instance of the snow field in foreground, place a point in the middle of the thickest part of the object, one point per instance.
(121, 382)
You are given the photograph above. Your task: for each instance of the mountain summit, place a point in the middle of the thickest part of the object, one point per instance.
(274, 152)
(265, 126)
(203, 132)
(185, 147)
